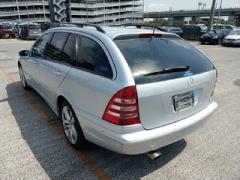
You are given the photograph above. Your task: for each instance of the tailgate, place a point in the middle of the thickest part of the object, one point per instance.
(156, 100)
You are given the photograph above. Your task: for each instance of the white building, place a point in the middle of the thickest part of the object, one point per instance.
(108, 12)
(24, 10)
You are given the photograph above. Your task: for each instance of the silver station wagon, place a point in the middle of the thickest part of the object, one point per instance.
(127, 89)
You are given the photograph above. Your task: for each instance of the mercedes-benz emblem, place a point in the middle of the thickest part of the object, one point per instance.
(191, 81)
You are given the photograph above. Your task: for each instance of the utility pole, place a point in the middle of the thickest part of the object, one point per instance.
(44, 11)
(219, 11)
(210, 27)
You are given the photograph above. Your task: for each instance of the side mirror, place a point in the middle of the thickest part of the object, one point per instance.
(24, 53)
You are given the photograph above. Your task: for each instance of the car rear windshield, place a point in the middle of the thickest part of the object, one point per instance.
(152, 53)
(35, 27)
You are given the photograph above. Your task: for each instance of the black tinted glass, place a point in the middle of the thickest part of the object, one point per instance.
(34, 27)
(150, 54)
(92, 57)
(68, 53)
(54, 48)
(39, 46)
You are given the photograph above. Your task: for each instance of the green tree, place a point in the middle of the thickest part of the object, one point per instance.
(158, 22)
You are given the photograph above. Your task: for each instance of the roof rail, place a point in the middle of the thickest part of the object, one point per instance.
(139, 26)
(149, 26)
(98, 28)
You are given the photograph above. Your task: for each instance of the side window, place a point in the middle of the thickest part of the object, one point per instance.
(92, 57)
(68, 53)
(39, 46)
(53, 49)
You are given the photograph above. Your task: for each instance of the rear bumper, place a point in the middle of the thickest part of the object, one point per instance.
(7, 35)
(143, 141)
(208, 40)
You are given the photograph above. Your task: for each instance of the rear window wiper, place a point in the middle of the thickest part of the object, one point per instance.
(168, 70)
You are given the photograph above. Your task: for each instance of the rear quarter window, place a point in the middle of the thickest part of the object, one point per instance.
(149, 54)
(91, 57)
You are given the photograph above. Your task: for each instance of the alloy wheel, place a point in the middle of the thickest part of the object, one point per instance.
(22, 78)
(68, 121)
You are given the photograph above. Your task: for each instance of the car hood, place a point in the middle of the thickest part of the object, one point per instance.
(232, 37)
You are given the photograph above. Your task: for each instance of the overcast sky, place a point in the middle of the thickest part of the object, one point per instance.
(164, 5)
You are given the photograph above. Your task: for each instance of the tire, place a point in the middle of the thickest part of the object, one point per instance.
(71, 126)
(22, 78)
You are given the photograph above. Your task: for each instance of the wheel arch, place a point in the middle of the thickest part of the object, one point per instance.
(19, 64)
(60, 100)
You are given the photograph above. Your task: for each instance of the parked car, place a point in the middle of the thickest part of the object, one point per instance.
(230, 27)
(194, 31)
(214, 36)
(202, 27)
(121, 88)
(175, 30)
(49, 25)
(29, 31)
(222, 26)
(6, 31)
(233, 39)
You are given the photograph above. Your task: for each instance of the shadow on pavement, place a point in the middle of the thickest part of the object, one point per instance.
(59, 161)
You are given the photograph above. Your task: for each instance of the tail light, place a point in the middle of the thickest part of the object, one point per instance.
(122, 109)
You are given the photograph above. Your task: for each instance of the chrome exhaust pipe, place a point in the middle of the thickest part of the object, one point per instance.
(153, 155)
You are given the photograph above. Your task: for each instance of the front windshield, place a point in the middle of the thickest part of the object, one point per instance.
(235, 32)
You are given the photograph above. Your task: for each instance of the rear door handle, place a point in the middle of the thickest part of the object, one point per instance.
(58, 73)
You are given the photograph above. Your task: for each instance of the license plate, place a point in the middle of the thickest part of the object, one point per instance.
(183, 101)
